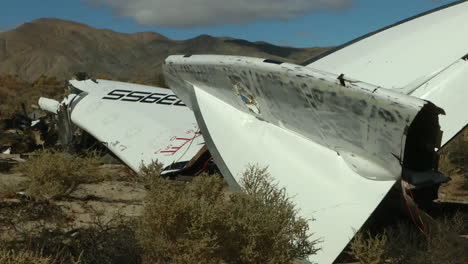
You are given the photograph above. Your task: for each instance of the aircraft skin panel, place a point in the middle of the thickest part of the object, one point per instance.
(320, 182)
(366, 125)
(399, 55)
(449, 90)
(336, 160)
(137, 131)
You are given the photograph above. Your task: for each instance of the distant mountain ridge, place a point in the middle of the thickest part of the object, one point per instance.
(61, 48)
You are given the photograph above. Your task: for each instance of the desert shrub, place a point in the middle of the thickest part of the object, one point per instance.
(200, 222)
(103, 242)
(20, 214)
(110, 241)
(55, 174)
(405, 244)
(150, 174)
(269, 221)
(369, 249)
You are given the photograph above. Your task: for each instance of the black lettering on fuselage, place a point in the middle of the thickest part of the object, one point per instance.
(168, 99)
(179, 102)
(135, 97)
(144, 97)
(153, 98)
(117, 94)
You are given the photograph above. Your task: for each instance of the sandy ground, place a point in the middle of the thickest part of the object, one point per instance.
(104, 199)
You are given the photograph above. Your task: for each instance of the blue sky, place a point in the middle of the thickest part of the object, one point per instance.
(301, 25)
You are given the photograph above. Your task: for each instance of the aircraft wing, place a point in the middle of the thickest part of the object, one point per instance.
(425, 56)
(138, 123)
(337, 150)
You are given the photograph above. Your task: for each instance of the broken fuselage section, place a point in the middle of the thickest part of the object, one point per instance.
(138, 123)
(337, 145)
(379, 132)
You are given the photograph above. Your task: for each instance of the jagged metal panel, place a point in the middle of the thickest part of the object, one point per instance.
(322, 141)
(138, 123)
(364, 124)
(407, 52)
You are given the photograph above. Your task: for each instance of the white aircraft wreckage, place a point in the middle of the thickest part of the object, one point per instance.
(138, 123)
(337, 132)
(341, 130)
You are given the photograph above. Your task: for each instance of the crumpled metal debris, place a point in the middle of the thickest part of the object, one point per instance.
(8, 161)
(27, 132)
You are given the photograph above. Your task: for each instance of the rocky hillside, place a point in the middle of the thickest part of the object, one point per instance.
(61, 48)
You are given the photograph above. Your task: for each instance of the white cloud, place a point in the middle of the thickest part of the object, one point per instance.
(193, 13)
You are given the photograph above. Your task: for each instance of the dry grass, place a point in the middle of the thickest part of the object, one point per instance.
(405, 244)
(109, 242)
(104, 242)
(198, 222)
(369, 249)
(20, 223)
(454, 158)
(42, 230)
(22, 257)
(112, 241)
(8, 191)
(56, 174)
(150, 174)
(18, 214)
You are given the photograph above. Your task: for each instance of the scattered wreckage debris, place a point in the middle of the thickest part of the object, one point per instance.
(338, 144)
(338, 133)
(172, 133)
(139, 124)
(25, 133)
(8, 161)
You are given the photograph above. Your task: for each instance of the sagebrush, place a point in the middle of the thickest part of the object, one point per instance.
(405, 244)
(202, 222)
(55, 174)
